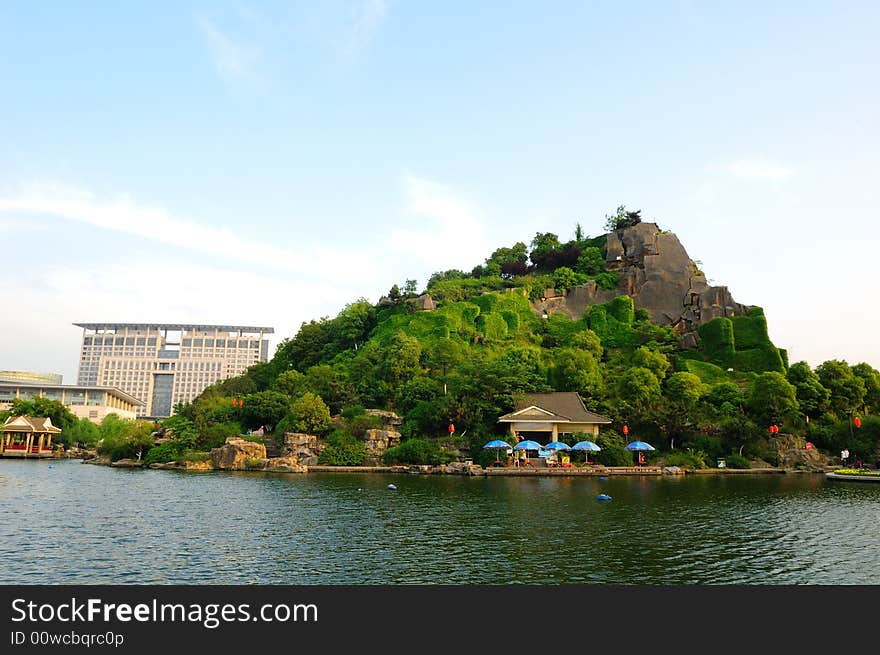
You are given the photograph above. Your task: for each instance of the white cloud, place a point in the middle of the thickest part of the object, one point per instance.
(141, 290)
(234, 58)
(8, 226)
(450, 231)
(760, 169)
(156, 224)
(368, 16)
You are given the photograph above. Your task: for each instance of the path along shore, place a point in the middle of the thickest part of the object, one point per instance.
(460, 468)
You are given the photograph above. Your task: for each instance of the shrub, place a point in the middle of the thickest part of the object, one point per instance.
(736, 461)
(169, 451)
(417, 451)
(717, 339)
(350, 453)
(195, 456)
(614, 452)
(214, 435)
(359, 425)
(689, 458)
(607, 280)
(253, 463)
(711, 447)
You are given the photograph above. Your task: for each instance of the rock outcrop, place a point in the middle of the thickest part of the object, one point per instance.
(284, 465)
(305, 448)
(792, 452)
(656, 272)
(237, 454)
(377, 442)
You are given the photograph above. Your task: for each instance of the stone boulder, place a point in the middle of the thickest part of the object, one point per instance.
(655, 270)
(235, 454)
(284, 465)
(792, 452)
(128, 463)
(388, 418)
(199, 467)
(377, 442)
(306, 448)
(424, 303)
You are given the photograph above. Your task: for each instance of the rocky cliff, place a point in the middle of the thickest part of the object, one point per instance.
(656, 272)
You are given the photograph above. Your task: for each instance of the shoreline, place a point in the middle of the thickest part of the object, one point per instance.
(460, 469)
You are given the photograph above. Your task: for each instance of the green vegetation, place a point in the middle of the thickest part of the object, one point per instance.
(487, 343)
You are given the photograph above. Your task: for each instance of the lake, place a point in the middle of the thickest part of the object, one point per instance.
(66, 522)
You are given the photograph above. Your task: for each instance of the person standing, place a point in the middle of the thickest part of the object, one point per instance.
(844, 455)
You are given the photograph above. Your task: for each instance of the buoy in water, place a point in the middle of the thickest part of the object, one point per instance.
(603, 497)
(602, 478)
(392, 487)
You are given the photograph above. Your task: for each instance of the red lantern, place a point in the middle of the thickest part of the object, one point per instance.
(858, 422)
(451, 428)
(625, 429)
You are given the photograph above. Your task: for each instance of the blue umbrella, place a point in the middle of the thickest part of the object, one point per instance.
(587, 446)
(557, 445)
(639, 445)
(498, 445)
(528, 445)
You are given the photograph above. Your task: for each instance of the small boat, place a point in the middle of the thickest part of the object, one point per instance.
(603, 497)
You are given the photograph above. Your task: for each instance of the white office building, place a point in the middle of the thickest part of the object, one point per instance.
(164, 364)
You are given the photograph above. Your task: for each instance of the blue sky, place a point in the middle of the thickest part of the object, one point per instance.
(268, 162)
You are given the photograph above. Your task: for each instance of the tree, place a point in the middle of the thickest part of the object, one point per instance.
(38, 406)
(591, 261)
(726, 398)
(639, 389)
(564, 278)
(847, 391)
(577, 370)
(182, 430)
(622, 219)
(394, 293)
(309, 414)
(683, 394)
(445, 355)
(353, 324)
(399, 360)
(83, 433)
(517, 254)
(812, 397)
(541, 247)
(291, 383)
(771, 398)
(265, 409)
(411, 287)
(306, 348)
(588, 341)
(871, 377)
(654, 361)
(331, 383)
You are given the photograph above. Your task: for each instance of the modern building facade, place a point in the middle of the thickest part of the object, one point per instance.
(91, 402)
(28, 376)
(163, 364)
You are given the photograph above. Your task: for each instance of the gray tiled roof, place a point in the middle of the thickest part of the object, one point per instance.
(562, 405)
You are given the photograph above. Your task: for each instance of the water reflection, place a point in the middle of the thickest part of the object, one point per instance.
(85, 524)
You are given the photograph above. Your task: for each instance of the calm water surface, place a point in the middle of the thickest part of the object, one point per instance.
(66, 522)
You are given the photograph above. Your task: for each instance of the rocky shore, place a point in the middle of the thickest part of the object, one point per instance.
(244, 455)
